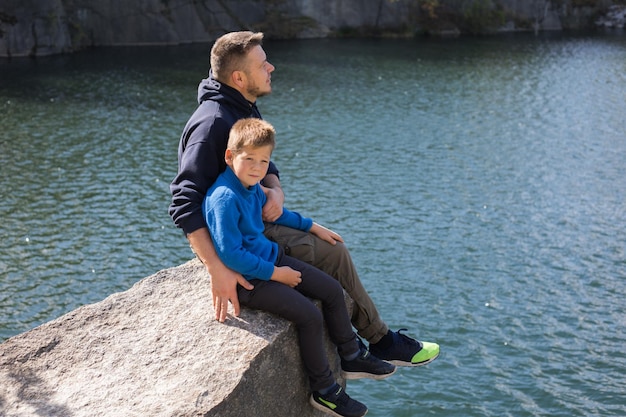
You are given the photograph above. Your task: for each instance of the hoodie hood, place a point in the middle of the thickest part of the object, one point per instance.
(211, 89)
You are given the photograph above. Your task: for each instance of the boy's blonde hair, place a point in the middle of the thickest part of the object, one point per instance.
(229, 52)
(251, 132)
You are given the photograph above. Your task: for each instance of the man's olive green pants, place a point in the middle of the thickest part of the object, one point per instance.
(336, 261)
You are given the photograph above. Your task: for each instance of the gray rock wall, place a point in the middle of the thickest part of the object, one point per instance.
(31, 27)
(43, 27)
(155, 350)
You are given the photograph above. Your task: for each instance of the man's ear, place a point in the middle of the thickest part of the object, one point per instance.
(238, 78)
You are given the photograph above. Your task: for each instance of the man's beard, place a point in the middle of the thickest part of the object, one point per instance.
(256, 92)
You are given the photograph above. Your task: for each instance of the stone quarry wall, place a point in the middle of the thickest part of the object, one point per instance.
(41, 27)
(44, 27)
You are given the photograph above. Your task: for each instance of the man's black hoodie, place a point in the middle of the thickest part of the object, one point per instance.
(202, 147)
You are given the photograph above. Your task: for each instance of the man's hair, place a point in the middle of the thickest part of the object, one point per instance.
(229, 51)
(251, 132)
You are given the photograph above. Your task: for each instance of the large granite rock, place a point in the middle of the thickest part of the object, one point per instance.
(156, 350)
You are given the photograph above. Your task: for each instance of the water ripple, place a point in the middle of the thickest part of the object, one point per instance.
(479, 184)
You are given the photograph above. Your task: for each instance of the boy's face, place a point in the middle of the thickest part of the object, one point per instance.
(251, 164)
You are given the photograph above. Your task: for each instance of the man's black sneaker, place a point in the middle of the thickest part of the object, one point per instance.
(366, 365)
(406, 351)
(337, 403)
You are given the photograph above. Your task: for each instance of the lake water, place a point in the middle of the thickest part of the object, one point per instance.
(480, 184)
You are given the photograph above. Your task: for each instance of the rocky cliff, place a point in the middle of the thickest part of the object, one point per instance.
(43, 27)
(40, 27)
(155, 350)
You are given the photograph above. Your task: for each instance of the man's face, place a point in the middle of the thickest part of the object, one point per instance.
(258, 74)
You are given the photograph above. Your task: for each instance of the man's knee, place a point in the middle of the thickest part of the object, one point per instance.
(295, 243)
(303, 251)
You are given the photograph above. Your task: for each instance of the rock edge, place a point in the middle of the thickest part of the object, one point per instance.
(156, 350)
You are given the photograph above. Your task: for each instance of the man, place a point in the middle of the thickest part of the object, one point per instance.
(240, 74)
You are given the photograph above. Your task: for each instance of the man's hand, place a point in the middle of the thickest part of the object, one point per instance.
(325, 234)
(286, 275)
(224, 287)
(273, 207)
(223, 280)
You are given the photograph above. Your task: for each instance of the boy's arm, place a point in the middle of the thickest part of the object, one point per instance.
(296, 221)
(223, 216)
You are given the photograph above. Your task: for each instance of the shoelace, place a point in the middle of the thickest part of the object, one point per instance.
(408, 339)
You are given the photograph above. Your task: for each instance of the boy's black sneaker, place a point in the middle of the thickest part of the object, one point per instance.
(337, 403)
(366, 365)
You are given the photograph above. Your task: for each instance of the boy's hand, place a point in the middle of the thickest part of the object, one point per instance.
(286, 275)
(325, 234)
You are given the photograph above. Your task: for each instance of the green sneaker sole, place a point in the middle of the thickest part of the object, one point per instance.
(327, 409)
(428, 353)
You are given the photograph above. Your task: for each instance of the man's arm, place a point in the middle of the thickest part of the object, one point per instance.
(223, 280)
(273, 207)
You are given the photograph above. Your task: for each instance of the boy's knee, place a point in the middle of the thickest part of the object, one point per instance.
(334, 293)
(313, 318)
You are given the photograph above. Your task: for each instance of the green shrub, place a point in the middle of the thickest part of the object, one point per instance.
(480, 16)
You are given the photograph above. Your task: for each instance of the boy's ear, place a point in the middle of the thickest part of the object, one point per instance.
(228, 157)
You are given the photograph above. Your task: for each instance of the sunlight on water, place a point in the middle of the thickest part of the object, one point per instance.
(480, 184)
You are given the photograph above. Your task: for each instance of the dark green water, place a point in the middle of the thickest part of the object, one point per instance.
(480, 184)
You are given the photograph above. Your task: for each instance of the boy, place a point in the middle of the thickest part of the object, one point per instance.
(282, 284)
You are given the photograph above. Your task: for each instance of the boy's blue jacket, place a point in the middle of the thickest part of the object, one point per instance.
(233, 214)
(201, 149)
